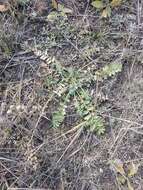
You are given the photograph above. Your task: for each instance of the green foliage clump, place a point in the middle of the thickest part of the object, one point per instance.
(109, 70)
(87, 112)
(70, 86)
(58, 116)
(106, 6)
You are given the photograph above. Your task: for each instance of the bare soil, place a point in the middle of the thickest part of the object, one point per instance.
(35, 155)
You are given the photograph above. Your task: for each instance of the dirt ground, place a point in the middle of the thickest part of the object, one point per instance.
(33, 154)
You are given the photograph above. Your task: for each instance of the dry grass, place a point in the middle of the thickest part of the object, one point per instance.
(35, 155)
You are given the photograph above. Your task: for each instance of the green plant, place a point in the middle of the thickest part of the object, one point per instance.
(60, 11)
(87, 112)
(106, 6)
(123, 176)
(70, 86)
(59, 115)
(109, 70)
